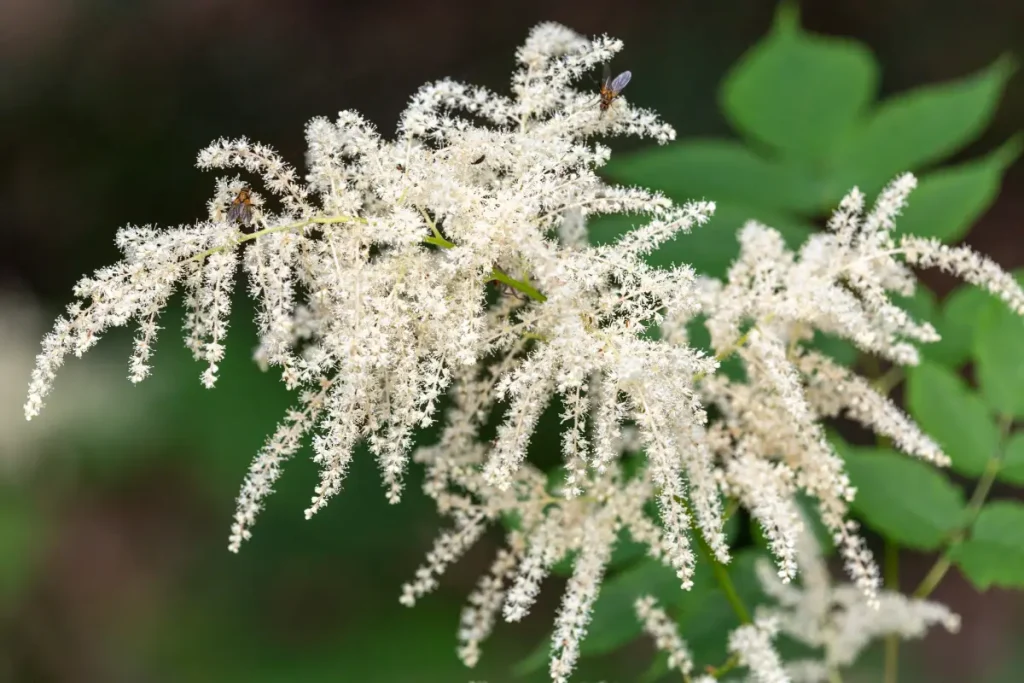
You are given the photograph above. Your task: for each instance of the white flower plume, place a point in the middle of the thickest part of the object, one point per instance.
(450, 263)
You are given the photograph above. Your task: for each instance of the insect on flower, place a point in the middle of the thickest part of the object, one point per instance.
(611, 87)
(241, 207)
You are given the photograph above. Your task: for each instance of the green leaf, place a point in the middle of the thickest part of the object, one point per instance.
(921, 304)
(798, 92)
(839, 350)
(720, 170)
(957, 324)
(953, 415)
(948, 201)
(657, 670)
(994, 554)
(999, 356)
(1012, 469)
(905, 500)
(916, 128)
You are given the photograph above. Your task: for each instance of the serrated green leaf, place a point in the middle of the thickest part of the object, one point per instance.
(797, 92)
(953, 415)
(906, 500)
(1012, 469)
(916, 128)
(999, 358)
(719, 170)
(948, 201)
(994, 553)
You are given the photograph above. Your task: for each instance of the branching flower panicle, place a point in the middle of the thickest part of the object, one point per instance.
(451, 262)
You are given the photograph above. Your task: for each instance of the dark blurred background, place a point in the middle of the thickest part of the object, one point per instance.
(116, 502)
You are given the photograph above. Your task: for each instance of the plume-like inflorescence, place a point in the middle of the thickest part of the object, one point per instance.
(451, 263)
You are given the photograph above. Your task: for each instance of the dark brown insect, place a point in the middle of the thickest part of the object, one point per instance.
(478, 161)
(241, 207)
(611, 87)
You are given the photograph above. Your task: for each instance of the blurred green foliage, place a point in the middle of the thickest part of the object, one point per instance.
(810, 131)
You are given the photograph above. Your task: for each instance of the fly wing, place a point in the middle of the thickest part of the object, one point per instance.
(606, 76)
(240, 210)
(620, 82)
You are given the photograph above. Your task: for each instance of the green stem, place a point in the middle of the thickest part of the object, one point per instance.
(888, 381)
(726, 584)
(892, 582)
(280, 228)
(938, 571)
(736, 346)
(834, 676)
(523, 287)
(730, 664)
(439, 241)
(721, 573)
(435, 239)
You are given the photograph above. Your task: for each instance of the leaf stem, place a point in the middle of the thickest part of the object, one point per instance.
(720, 572)
(736, 345)
(729, 665)
(520, 285)
(436, 239)
(938, 571)
(328, 220)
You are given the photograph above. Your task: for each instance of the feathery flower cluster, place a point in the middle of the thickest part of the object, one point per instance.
(452, 262)
(838, 620)
(663, 630)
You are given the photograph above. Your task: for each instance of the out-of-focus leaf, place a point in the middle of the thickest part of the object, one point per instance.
(913, 129)
(839, 350)
(798, 92)
(21, 530)
(921, 304)
(957, 324)
(994, 553)
(953, 415)
(999, 358)
(718, 170)
(948, 201)
(657, 670)
(904, 499)
(1012, 469)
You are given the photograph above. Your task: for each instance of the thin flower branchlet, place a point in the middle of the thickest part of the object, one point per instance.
(450, 266)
